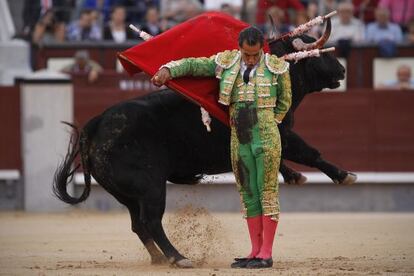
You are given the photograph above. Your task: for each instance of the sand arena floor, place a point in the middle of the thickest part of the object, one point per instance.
(90, 243)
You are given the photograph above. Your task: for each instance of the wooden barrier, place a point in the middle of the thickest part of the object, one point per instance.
(360, 130)
(92, 99)
(10, 152)
(360, 64)
(103, 52)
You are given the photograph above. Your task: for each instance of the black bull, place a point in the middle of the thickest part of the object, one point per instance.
(134, 147)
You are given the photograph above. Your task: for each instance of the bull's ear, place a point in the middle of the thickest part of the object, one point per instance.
(279, 48)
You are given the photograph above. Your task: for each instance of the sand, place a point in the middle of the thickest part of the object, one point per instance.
(90, 243)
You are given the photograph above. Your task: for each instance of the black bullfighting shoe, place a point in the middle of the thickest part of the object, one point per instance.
(241, 262)
(260, 263)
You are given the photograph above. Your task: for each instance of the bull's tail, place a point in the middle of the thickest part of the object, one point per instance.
(64, 173)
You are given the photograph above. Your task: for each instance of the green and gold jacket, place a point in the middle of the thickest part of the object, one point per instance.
(269, 87)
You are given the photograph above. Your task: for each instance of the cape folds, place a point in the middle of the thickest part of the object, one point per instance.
(202, 36)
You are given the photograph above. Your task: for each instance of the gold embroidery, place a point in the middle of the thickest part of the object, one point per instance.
(276, 65)
(227, 58)
(250, 97)
(266, 102)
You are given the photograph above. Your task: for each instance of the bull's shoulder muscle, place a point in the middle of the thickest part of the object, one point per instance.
(276, 65)
(227, 58)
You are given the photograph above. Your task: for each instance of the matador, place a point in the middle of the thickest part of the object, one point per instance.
(256, 87)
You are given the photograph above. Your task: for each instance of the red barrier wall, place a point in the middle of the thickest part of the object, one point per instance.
(10, 154)
(360, 130)
(92, 99)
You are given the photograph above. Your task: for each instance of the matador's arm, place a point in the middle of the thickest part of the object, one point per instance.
(284, 96)
(201, 67)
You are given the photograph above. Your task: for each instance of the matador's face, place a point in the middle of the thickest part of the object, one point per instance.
(251, 54)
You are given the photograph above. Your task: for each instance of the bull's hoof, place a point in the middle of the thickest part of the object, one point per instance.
(184, 263)
(348, 180)
(299, 179)
(159, 260)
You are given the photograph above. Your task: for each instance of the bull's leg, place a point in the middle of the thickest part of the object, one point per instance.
(291, 176)
(154, 213)
(297, 150)
(139, 228)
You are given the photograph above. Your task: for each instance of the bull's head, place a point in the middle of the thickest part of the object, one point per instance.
(313, 73)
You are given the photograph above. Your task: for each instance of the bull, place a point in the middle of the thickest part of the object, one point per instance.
(133, 148)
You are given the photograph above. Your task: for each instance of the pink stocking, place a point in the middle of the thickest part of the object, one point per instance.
(269, 230)
(256, 236)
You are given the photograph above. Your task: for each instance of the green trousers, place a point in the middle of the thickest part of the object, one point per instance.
(255, 156)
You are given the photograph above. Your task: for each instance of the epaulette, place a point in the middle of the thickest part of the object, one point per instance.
(227, 58)
(276, 65)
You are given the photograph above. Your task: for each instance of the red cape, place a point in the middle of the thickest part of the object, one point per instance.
(202, 36)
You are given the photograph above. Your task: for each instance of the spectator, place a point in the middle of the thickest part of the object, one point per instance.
(315, 31)
(365, 10)
(278, 16)
(312, 12)
(180, 10)
(48, 29)
(248, 11)
(326, 6)
(230, 9)
(403, 81)
(410, 32)
(103, 6)
(63, 9)
(312, 9)
(84, 65)
(137, 9)
(346, 27)
(34, 10)
(97, 19)
(152, 24)
(226, 8)
(401, 11)
(382, 29)
(83, 29)
(116, 28)
(264, 5)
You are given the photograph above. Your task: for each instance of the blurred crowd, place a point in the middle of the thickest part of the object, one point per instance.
(383, 22)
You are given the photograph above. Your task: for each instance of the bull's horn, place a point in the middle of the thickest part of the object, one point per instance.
(273, 32)
(304, 27)
(299, 45)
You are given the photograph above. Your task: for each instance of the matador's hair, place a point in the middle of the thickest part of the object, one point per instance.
(252, 36)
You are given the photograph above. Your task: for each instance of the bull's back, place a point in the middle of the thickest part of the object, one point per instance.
(160, 130)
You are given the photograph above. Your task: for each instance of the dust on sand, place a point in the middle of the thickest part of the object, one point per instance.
(198, 234)
(90, 243)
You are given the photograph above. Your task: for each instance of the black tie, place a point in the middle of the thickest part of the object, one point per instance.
(246, 75)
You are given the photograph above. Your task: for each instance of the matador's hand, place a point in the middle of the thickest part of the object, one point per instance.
(161, 77)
